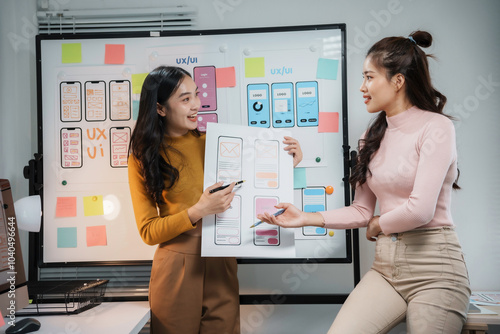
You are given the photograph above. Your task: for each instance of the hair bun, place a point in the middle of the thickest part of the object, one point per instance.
(422, 38)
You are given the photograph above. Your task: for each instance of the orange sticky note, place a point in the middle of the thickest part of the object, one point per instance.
(225, 76)
(96, 236)
(66, 207)
(114, 54)
(2, 321)
(328, 122)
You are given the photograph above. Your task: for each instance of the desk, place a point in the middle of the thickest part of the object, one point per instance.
(478, 323)
(107, 318)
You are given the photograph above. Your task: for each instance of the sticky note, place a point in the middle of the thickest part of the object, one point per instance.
(2, 321)
(93, 206)
(71, 53)
(254, 67)
(137, 81)
(225, 77)
(299, 178)
(328, 122)
(114, 54)
(135, 109)
(66, 237)
(66, 207)
(96, 236)
(327, 69)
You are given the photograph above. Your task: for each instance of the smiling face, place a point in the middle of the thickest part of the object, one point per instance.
(181, 109)
(379, 92)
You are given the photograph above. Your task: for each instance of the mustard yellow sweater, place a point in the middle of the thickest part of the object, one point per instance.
(158, 225)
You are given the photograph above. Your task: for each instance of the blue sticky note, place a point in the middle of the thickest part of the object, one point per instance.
(66, 237)
(327, 69)
(135, 109)
(299, 178)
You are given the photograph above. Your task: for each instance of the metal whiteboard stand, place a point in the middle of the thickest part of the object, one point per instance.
(33, 172)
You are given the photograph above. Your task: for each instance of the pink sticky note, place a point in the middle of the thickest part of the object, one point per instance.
(225, 77)
(114, 54)
(328, 122)
(66, 207)
(96, 236)
(2, 321)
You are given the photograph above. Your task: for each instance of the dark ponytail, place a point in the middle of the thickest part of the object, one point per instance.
(399, 55)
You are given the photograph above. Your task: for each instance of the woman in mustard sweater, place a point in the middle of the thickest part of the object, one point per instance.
(188, 294)
(408, 163)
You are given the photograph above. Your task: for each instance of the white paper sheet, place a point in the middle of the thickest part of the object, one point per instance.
(256, 155)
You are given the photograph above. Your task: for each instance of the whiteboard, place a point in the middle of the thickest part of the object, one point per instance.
(89, 92)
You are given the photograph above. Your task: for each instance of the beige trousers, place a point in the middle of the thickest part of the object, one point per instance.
(190, 294)
(419, 275)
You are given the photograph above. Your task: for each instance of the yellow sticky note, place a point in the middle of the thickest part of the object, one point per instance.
(71, 53)
(254, 67)
(137, 81)
(93, 206)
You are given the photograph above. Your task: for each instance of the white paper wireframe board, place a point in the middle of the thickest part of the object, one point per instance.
(88, 107)
(235, 153)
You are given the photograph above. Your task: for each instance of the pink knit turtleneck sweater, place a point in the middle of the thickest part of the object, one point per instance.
(412, 176)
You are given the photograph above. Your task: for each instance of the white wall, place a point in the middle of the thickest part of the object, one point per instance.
(467, 46)
(18, 115)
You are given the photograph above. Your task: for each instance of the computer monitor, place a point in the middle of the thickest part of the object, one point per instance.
(13, 283)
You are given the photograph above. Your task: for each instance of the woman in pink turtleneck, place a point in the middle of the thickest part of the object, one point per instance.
(408, 163)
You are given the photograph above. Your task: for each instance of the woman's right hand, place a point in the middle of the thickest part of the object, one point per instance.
(292, 217)
(212, 203)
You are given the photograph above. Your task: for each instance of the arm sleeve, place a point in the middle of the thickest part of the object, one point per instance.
(153, 228)
(437, 152)
(358, 214)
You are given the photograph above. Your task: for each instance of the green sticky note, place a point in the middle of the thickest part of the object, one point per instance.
(71, 53)
(327, 69)
(254, 67)
(66, 237)
(299, 178)
(137, 81)
(93, 206)
(135, 109)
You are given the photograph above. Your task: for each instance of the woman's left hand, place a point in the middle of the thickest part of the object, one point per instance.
(373, 229)
(293, 148)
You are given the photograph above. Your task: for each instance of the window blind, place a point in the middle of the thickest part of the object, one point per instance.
(116, 20)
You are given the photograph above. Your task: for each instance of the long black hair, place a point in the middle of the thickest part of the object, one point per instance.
(405, 56)
(147, 140)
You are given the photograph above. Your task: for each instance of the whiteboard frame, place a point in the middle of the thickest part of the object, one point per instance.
(352, 243)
